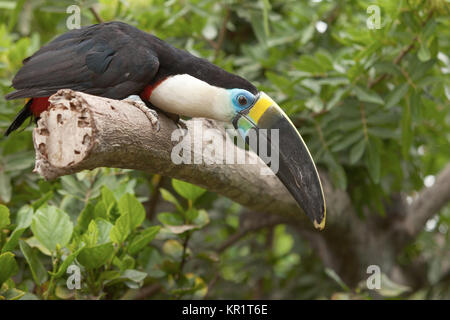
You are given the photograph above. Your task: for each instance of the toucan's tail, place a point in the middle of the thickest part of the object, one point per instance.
(20, 118)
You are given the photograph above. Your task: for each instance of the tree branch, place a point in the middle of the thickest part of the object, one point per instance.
(82, 131)
(428, 202)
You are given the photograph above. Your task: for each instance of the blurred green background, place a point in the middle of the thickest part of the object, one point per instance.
(372, 105)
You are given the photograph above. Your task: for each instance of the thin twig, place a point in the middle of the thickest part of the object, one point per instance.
(408, 78)
(154, 199)
(148, 291)
(255, 225)
(96, 15)
(211, 284)
(396, 61)
(222, 33)
(183, 258)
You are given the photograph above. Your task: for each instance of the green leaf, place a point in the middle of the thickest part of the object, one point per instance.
(283, 241)
(170, 219)
(406, 129)
(201, 219)
(314, 104)
(383, 132)
(390, 288)
(66, 263)
(85, 216)
(325, 61)
(424, 53)
(173, 248)
(429, 28)
(96, 256)
(151, 260)
(308, 63)
(91, 235)
(13, 294)
(104, 230)
(307, 34)
(258, 27)
(101, 211)
(42, 200)
(143, 239)
(129, 205)
(367, 95)
(73, 186)
(187, 190)
(33, 242)
(37, 268)
(170, 198)
(18, 161)
(337, 172)
(357, 151)
(107, 276)
(410, 20)
(23, 221)
(4, 217)
(333, 275)
(108, 197)
(10, 5)
(416, 102)
(109, 202)
(373, 160)
(396, 95)
(125, 262)
(52, 227)
(5, 187)
(422, 69)
(191, 214)
(280, 81)
(8, 266)
(121, 229)
(132, 278)
(134, 275)
(348, 141)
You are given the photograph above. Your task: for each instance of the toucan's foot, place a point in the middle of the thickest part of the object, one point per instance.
(151, 114)
(173, 116)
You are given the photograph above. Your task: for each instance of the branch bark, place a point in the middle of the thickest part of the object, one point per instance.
(428, 202)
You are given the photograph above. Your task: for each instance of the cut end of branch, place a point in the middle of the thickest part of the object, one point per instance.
(72, 128)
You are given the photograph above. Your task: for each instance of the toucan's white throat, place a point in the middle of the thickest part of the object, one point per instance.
(188, 96)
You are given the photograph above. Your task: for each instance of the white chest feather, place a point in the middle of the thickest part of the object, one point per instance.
(189, 96)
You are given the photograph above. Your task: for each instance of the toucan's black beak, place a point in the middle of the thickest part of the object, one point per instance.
(289, 157)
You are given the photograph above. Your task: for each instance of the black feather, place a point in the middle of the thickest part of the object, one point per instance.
(112, 60)
(20, 118)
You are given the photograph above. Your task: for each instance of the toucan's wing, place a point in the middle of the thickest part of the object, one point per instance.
(111, 60)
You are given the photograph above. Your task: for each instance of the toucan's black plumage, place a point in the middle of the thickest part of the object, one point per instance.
(112, 60)
(20, 118)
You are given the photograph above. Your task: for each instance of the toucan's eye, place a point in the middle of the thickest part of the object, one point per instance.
(242, 100)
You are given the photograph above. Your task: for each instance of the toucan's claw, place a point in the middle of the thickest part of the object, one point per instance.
(151, 114)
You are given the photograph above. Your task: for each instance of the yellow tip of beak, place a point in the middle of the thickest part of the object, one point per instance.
(320, 225)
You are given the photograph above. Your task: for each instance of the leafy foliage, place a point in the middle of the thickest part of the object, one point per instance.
(372, 106)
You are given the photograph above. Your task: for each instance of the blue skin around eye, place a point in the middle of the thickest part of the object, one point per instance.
(234, 96)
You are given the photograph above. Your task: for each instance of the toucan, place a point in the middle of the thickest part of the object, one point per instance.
(116, 60)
